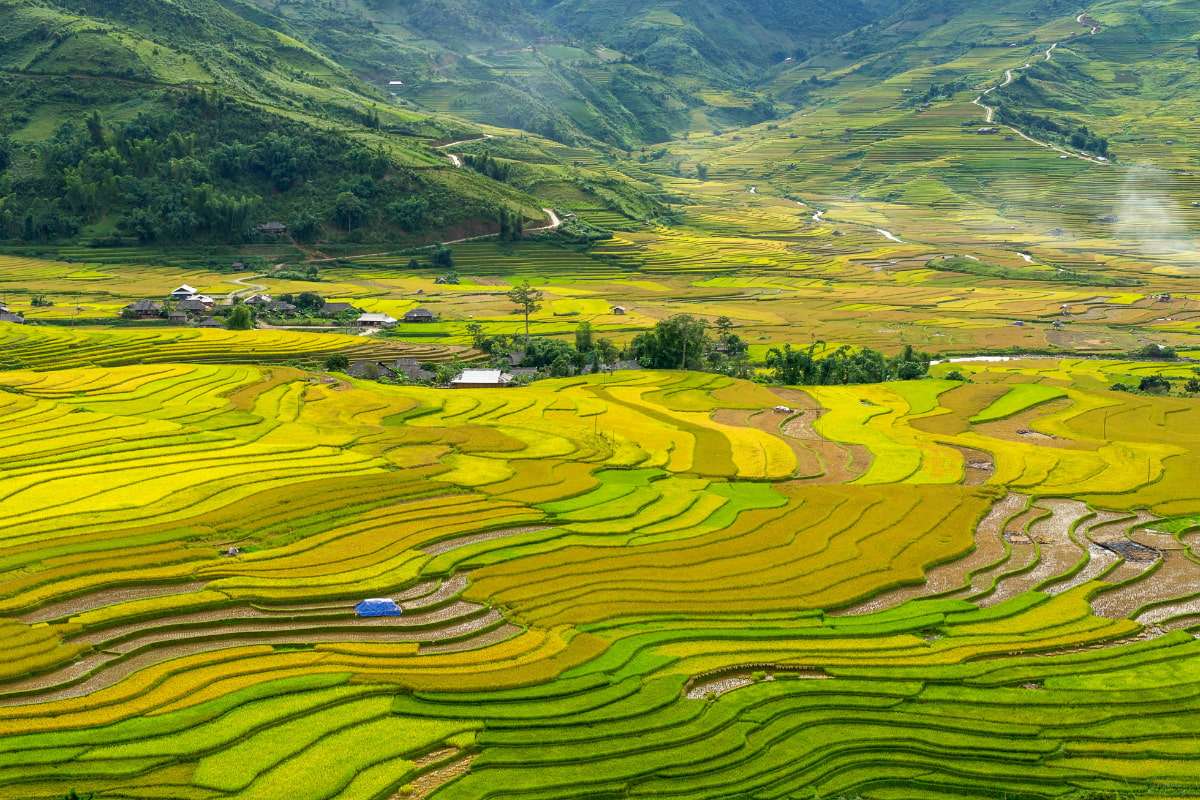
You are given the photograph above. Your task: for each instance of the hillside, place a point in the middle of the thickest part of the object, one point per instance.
(563, 70)
(169, 121)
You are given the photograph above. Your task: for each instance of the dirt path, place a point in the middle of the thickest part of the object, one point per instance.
(455, 159)
(250, 288)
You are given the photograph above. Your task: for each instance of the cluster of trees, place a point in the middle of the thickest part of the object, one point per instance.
(1158, 384)
(1078, 137)
(684, 342)
(485, 164)
(512, 226)
(792, 366)
(556, 358)
(204, 167)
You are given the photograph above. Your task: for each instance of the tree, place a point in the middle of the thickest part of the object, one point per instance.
(789, 367)
(607, 352)
(1154, 384)
(74, 795)
(1192, 386)
(348, 210)
(528, 300)
(6, 152)
(241, 318)
(95, 128)
(338, 362)
(702, 171)
(477, 337)
(583, 337)
(443, 257)
(724, 326)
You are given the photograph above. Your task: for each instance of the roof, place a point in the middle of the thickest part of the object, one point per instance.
(337, 308)
(490, 377)
(145, 305)
(419, 312)
(382, 319)
(184, 289)
(8, 316)
(378, 607)
(193, 304)
(272, 226)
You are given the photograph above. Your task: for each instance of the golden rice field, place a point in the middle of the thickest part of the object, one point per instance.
(644, 584)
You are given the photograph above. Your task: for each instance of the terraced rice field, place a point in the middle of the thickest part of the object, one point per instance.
(639, 584)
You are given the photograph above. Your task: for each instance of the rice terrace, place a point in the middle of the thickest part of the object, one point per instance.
(547, 399)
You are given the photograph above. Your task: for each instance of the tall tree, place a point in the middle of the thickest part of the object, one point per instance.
(528, 300)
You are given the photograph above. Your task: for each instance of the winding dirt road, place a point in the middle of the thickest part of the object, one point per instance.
(251, 288)
(455, 159)
(1009, 77)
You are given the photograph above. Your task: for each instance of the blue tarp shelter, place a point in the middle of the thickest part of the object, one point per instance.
(378, 607)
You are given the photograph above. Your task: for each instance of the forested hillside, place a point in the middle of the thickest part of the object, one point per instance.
(169, 121)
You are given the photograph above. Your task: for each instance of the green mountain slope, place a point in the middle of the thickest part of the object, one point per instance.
(171, 121)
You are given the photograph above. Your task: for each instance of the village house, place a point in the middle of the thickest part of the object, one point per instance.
(183, 293)
(193, 305)
(375, 321)
(272, 228)
(177, 317)
(9, 316)
(337, 309)
(401, 368)
(420, 315)
(481, 379)
(258, 300)
(619, 311)
(142, 309)
(211, 322)
(279, 308)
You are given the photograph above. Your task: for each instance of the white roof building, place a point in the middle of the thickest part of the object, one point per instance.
(481, 378)
(375, 320)
(184, 291)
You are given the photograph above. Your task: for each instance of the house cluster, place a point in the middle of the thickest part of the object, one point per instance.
(378, 320)
(185, 304)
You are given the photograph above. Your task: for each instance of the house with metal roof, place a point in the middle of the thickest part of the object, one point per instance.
(481, 379)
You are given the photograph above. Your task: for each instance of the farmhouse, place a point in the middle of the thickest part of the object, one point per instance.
(183, 293)
(337, 309)
(279, 308)
(481, 379)
(619, 311)
(177, 317)
(376, 321)
(142, 309)
(987, 131)
(272, 228)
(193, 305)
(9, 316)
(420, 315)
(258, 300)
(211, 322)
